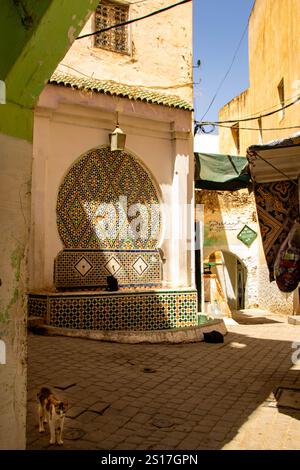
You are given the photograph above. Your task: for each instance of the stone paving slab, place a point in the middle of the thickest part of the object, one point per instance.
(201, 396)
(75, 411)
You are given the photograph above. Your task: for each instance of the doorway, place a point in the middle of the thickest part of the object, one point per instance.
(232, 276)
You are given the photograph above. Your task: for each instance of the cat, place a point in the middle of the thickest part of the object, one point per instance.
(52, 410)
(112, 283)
(213, 337)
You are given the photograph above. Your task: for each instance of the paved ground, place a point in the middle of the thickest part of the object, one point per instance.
(189, 396)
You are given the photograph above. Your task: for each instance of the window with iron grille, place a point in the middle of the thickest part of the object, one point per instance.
(108, 14)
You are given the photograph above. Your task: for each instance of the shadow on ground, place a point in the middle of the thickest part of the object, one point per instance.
(187, 396)
(249, 320)
(252, 317)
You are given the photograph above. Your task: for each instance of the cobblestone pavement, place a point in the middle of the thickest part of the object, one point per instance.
(188, 396)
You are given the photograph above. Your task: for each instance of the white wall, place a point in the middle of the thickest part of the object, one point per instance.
(69, 123)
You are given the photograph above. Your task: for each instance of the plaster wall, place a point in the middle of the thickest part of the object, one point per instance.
(236, 108)
(274, 54)
(69, 123)
(160, 54)
(274, 46)
(225, 214)
(14, 221)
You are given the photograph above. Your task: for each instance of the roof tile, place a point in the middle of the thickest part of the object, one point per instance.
(117, 89)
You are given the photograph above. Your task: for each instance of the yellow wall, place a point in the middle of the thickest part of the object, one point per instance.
(274, 53)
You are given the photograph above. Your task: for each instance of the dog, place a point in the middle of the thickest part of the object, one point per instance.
(53, 411)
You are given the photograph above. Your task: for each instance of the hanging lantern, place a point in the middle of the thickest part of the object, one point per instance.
(117, 139)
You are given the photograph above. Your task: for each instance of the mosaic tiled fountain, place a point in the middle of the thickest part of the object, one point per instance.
(109, 220)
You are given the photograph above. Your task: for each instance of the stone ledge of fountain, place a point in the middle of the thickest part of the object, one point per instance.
(190, 334)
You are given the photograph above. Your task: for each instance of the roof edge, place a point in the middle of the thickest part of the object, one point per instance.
(113, 88)
(291, 141)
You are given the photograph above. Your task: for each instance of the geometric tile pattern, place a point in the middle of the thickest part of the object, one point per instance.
(90, 268)
(140, 266)
(107, 200)
(83, 266)
(38, 304)
(119, 310)
(113, 266)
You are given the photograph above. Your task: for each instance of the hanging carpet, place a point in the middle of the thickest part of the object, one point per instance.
(277, 207)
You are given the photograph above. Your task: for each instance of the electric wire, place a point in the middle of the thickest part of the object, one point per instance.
(125, 23)
(258, 113)
(139, 1)
(276, 169)
(139, 85)
(234, 121)
(227, 73)
(200, 124)
(261, 128)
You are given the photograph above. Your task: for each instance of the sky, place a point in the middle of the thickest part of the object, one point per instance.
(218, 27)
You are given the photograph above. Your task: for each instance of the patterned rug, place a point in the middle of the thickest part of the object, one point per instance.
(277, 207)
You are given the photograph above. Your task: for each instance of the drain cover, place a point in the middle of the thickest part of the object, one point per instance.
(162, 423)
(288, 397)
(73, 434)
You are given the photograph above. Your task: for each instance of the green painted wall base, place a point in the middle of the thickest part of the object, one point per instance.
(16, 121)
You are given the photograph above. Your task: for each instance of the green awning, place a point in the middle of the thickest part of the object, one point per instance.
(221, 172)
